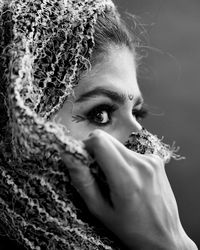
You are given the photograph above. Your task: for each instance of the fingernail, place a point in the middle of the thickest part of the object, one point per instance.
(90, 134)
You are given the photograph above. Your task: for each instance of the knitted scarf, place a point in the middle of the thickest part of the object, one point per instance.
(45, 45)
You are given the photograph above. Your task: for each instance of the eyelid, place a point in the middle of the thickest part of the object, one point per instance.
(103, 106)
(142, 113)
(109, 108)
(139, 105)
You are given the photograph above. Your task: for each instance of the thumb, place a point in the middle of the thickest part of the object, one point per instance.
(83, 181)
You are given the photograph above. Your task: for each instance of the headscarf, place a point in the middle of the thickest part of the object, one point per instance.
(45, 45)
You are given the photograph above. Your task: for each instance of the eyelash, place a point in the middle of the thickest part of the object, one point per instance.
(110, 109)
(140, 114)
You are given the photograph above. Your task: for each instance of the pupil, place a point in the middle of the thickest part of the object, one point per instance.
(100, 116)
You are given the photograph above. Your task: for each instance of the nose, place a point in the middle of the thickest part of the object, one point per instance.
(126, 127)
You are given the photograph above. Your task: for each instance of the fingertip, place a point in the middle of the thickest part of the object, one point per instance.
(95, 139)
(97, 135)
(71, 162)
(94, 133)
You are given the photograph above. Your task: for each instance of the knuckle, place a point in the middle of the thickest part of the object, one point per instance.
(155, 162)
(148, 167)
(98, 137)
(149, 171)
(132, 180)
(98, 133)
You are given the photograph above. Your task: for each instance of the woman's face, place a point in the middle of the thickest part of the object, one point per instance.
(107, 98)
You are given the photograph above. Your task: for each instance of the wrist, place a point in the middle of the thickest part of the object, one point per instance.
(185, 243)
(177, 241)
(181, 241)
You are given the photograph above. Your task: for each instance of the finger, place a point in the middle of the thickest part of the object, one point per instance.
(131, 157)
(125, 152)
(84, 182)
(135, 159)
(109, 157)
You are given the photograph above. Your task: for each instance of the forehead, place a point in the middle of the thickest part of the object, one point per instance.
(117, 72)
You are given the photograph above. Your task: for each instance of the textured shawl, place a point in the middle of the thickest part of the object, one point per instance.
(44, 47)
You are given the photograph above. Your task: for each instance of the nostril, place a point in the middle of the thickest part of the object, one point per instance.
(143, 142)
(134, 125)
(127, 127)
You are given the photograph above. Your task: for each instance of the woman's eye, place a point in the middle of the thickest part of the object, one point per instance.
(101, 117)
(140, 113)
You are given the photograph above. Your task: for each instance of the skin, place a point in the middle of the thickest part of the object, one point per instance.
(116, 74)
(144, 214)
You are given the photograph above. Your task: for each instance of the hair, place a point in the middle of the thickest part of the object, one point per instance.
(110, 30)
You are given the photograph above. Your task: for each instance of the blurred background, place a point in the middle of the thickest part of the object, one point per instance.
(170, 81)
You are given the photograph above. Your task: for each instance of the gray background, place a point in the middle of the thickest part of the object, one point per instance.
(170, 84)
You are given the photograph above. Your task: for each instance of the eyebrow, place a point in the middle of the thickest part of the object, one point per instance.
(114, 96)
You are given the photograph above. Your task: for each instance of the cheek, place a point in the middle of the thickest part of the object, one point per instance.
(79, 131)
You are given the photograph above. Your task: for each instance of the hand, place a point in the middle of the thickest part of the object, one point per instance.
(144, 214)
